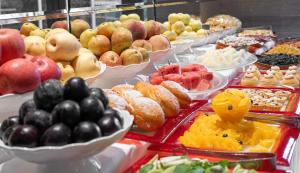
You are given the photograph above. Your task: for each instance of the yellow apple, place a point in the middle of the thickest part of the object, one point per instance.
(99, 44)
(67, 71)
(27, 28)
(167, 25)
(38, 32)
(123, 17)
(188, 29)
(131, 56)
(178, 27)
(173, 18)
(171, 35)
(86, 65)
(35, 45)
(86, 36)
(185, 18)
(134, 16)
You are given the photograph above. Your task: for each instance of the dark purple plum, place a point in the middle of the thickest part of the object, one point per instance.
(76, 89)
(114, 113)
(9, 122)
(27, 106)
(40, 119)
(99, 94)
(91, 109)
(48, 94)
(56, 135)
(24, 136)
(86, 131)
(67, 112)
(109, 125)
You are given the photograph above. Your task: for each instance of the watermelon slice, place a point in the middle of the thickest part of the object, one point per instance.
(155, 74)
(203, 85)
(169, 69)
(156, 80)
(193, 67)
(187, 82)
(173, 77)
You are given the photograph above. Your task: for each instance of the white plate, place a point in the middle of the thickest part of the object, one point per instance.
(116, 75)
(161, 55)
(75, 151)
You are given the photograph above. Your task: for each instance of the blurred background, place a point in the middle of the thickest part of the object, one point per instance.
(282, 15)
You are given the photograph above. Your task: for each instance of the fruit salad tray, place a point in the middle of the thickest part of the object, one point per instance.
(205, 132)
(170, 157)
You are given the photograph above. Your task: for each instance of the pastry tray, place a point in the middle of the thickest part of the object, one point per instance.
(263, 163)
(167, 128)
(283, 149)
(289, 107)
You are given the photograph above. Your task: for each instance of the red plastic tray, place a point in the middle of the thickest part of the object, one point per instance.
(292, 107)
(261, 163)
(284, 148)
(170, 125)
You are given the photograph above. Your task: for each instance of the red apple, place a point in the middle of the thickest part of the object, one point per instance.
(19, 76)
(46, 66)
(11, 45)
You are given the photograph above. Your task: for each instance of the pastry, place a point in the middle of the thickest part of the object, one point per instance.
(249, 80)
(290, 80)
(273, 73)
(118, 88)
(268, 80)
(293, 73)
(161, 95)
(179, 91)
(148, 115)
(129, 94)
(277, 71)
(282, 93)
(255, 71)
(116, 101)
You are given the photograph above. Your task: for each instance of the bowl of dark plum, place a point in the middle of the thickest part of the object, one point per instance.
(63, 123)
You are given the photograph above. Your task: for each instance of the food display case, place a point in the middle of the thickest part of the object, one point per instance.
(149, 86)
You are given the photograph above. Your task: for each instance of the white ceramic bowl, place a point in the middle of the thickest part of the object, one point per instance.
(179, 46)
(116, 75)
(75, 151)
(161, 55)
(92, 79)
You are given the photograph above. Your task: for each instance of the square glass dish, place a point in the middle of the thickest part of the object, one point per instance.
(202, 131)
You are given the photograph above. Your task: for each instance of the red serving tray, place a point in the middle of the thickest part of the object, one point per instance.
(263, 164)
(170, 125)
(292, 107)
(284, 148)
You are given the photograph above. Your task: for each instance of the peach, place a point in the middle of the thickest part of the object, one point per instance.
(143, 44)
(152, 27)
(121, 40)
(137, 28)
(159, 42)
(106, 28)
(131, 56)
(111, 59)
(78, 26)
(99, 44)
(60, 24)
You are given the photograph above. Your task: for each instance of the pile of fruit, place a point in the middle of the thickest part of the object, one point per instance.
(182, 25)
(59, 115)
(192, 76)
(125, 42)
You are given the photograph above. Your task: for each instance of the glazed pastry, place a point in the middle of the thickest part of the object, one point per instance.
(148, 115)
(268, 80)
(278, 72)
(179, 91)
(255, 71)
(274, 73)
(129, 94)
(293, 73)
(290, 80)
(161, 95)
(118, 88)
(249, 80)
(293, 67)
(115, 101)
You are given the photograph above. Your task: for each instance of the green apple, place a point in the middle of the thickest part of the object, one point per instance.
(185, 18)
(188, 29)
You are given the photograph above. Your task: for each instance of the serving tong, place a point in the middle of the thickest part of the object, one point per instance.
(257, 161)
